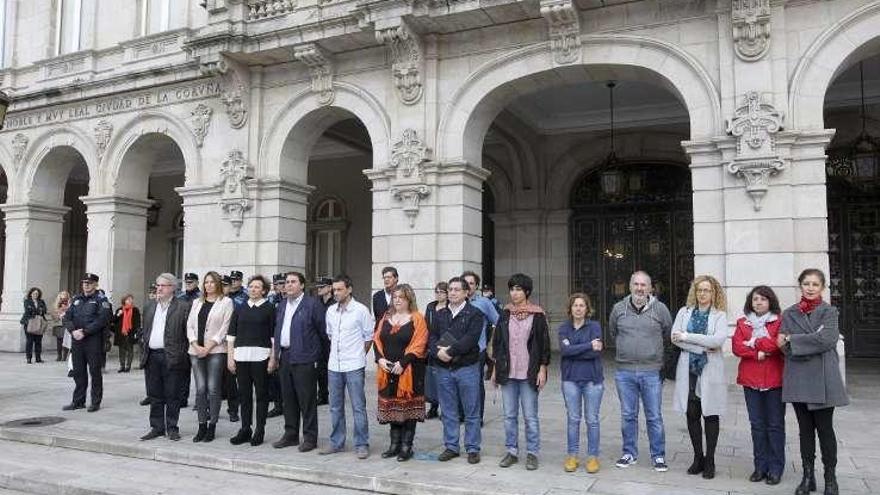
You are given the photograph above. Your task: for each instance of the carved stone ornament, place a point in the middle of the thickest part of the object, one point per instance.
(751, 28)
(406, 61)
(411, 196)
(321, 69)
(754, 126)
(235, 95)
(565, 30)
(408, 154)
(19, 146)
(201, 122)
(103, 130)
(235, 106)
(234, 199)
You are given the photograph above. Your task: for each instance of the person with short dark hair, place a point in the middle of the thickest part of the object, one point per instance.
(324, 289)
(521, 351)
(760, 373)
(34, 309)
(812, 380)
(191, 290)
(382, 298)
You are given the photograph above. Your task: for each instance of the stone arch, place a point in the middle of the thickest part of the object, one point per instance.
(472, 108)
(500, 183)
(838, 47)
(7, 167)
(129, 179)
(298, 124)
(49, 160)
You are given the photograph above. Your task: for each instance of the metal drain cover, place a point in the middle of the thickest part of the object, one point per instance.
(34, 422)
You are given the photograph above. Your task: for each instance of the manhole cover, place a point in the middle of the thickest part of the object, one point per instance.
(33, 422)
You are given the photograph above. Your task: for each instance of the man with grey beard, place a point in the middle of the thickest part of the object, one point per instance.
(637, 324)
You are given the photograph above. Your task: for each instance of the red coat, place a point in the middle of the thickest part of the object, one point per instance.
(752, 373)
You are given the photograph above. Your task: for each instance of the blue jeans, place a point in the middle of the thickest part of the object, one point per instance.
(461, 384)
(353, 383)
(644, 385)
(431, 384)
(580, 398)
(516, 393)
(767, 417)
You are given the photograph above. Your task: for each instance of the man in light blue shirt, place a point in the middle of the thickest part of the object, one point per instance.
(490, 315)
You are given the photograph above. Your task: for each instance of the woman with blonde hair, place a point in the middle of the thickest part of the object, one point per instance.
(401, 341)
(700, 328)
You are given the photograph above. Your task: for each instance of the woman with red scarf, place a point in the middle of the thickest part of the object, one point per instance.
(127, 329)
(811, 380)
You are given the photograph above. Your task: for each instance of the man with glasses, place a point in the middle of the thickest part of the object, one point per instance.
(86, 320)
(382, 298)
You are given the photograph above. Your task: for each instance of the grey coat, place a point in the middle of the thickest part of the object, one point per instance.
(175, 341)
(712, 383)
(812, 371)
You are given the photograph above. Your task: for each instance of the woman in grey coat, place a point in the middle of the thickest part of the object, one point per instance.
(700, 330)
(811, 381)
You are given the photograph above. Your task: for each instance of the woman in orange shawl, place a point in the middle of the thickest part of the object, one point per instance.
(401, 341)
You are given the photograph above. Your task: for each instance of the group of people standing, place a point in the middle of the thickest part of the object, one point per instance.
(441, 359)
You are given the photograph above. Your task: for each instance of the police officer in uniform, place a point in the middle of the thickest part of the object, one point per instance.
(324, 293)
(274, 297)
(237, 293)
(191, 290)
(230, 387)
(88, 316)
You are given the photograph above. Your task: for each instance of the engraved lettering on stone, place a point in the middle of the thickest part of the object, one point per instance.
(234, 201)
(201, 122)
(321, 69)
(408, 154)
(751, 28)
(565, 29)
(406, 61)
(19, 145)
(754, 126)
(103, 130)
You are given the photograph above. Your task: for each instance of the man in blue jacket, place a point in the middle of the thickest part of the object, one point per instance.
(299, 329)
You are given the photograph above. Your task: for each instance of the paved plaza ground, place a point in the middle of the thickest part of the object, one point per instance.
(100, 453)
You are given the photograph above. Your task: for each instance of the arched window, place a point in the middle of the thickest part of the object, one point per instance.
(327, 229)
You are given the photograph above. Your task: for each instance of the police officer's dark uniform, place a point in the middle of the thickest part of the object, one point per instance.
(188, 296)
(230, 385)
(274, 383)
(321, 365)
(89, 313)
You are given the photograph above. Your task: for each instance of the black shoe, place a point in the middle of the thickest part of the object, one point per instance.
(29, 361)
(709, 468)
(70, 374)
(145, 401)
(257, 437)
(184, 404)
(94, 407)
(173, 435)
(773, 479)
(275, 412)
(322, 401)
(432, 412)
(71, 407)
(406, 453)
(243, 435)
(697, 466)
(58, 358)
(757, 476)
(473, 458)
(39, 359)
(808, 481)
(233, 417)
(447, 455)
(285, 441)
(121, 370)
(831, 487)
(153, 434)
(307, 446)
(209, 436)
(394, 446)
(200, 435)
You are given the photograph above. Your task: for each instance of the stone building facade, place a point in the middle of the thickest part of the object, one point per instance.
(437, 136)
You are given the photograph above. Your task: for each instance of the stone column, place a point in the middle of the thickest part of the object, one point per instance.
(279, 236)
(33, 259)
(117, 238)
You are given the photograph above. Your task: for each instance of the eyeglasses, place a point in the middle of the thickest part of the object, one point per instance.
(704, 291)
(438, 291)
(164, 285)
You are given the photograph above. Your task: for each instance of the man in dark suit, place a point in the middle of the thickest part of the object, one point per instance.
(164, 356)
(299, 329)
(382, 298)
(324, 289)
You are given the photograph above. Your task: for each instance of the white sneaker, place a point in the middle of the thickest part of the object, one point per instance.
(660, 465)
(625, 461)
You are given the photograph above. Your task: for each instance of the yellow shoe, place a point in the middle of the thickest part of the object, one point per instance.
(592, 465)
(571, 464)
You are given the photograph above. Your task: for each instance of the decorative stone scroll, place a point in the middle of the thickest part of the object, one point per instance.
(754, 126)
(19, 146)
(565, 30)
(406, 60)
(407, 186)
(321, 68)
(103, 130)
(235, 95)
(751, 28)
(411, 196)
(201, 122)
(234, 200)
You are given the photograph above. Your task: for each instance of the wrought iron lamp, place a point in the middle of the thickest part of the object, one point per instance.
(857, 162)
(611, 177)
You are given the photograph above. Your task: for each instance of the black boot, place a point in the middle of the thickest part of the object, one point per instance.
(243, 435)
(259, 434)
(394, 448)
(409, 433)
(831, 482)
(209, 435)
(708, 467)
(432, 412)
(698, 465)
(203, 431)
(808, 482)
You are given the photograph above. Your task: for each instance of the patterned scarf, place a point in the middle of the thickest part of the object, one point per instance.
(523, 311)
(699, 323)
(808, 305)
(759, 325)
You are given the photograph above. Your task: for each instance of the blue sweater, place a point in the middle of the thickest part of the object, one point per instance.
(580, 363)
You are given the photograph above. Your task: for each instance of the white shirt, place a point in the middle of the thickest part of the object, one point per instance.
(457, 310)
(157, 333)
(289, 311)
(387, 297)
(348, 328)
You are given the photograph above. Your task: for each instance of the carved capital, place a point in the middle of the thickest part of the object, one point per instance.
(234, 199)
(751, 28)
(407, 57)
(19, 146)
(408, 154)
(565, 30)
(411, 196)
(755, 126)
(103, 130)
(756, 174)
(321, 67)
(200, 118)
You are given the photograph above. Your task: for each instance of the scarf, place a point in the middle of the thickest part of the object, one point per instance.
(759, 326)
(418, 346)
(699, 323)
(808, 305)
(523, 311)
(127, 312)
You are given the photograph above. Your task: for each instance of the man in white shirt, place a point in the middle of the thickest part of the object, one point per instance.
(350, 330)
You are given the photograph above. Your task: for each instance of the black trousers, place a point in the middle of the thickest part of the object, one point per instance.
(275, 389)
(230, 391)
(253, 379)
(321, 367)
(126, 354)
(163, 389)
(298, 387)
(811, 423)
(185, 378)
(33, 345)
(87, 360)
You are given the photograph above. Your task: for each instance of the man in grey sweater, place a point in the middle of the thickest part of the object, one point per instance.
(638, 324)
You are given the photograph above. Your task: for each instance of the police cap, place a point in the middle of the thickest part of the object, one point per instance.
(227, 280)
(191, 277)
(278, 278)
(323, 282)
(90, 277)
(236, 275)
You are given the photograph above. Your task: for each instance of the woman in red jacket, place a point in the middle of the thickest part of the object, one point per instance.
(760, 373)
